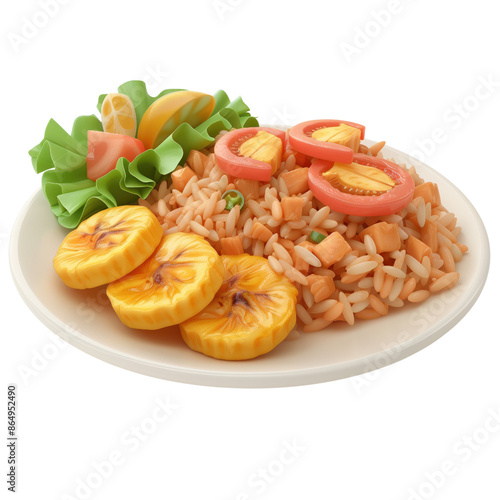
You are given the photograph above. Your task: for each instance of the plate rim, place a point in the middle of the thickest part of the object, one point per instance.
(215, 378)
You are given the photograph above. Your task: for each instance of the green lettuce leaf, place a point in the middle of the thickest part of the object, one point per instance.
(61, 157)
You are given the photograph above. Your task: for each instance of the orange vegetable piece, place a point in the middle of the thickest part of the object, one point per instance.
(413, 219)
(181, 177)
(386, 236)
(296, 180)
(321, 286)
(332, 249)
(292, 207)
(299, 263)
(248, 188)
(430, 235)
(417, 248)
(429, 192)
(286, 243)
(231, 246)
(260, 232)
(307, 245)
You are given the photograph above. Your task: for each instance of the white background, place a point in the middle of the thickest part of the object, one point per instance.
(381, 437)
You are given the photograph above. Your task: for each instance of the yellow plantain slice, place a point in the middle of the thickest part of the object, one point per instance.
(107, 246)
(176, 282)
(253, 312)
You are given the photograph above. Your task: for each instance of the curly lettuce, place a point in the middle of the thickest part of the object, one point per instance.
(61, 157)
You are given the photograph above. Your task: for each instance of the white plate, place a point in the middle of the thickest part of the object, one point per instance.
(85, 319)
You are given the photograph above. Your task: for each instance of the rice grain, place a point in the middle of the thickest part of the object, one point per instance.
(199, 229)
(307, 256)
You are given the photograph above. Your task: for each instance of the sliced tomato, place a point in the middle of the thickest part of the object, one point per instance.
(385, 204)
(104, 150)
(300, 138)
(233, 163)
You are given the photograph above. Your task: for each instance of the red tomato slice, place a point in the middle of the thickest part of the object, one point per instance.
(385, 204)
(300, 138)
(104, 150)
(227, 148)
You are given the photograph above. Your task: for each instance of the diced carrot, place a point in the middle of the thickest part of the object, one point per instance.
(231, 246)
(386, 236)
(217, 246)
(292, 207)
(200, 167)
(417, 248)
(413, 219)
(299, 263)
(286, 243)
(307, 245)
(321, 286)
(332, 249)
(260, 232)
(296, 180)
(429, 192)
(181, 177)
(248, 188)
(430, 235)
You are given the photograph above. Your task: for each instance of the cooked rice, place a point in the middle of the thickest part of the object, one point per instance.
(419, 296)
(359, 296)
(322, 306)
(360, 306)
(307, 256)
(366, 284)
